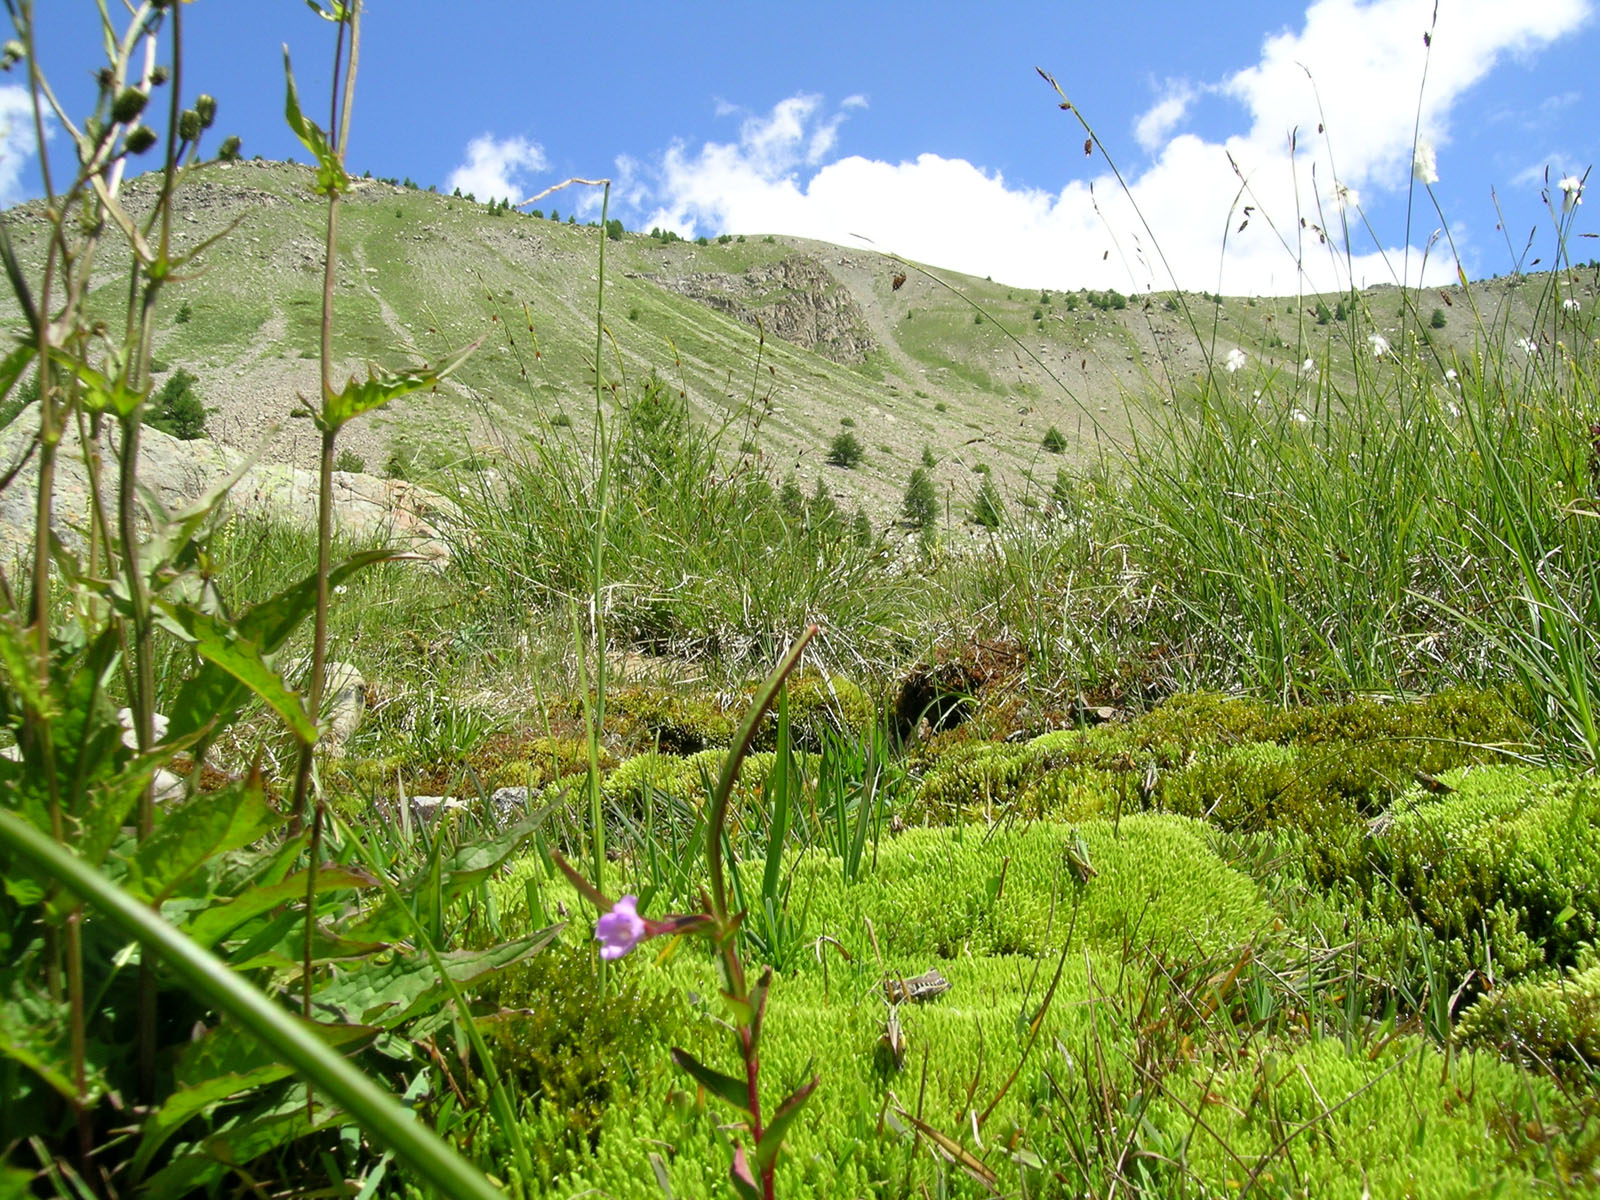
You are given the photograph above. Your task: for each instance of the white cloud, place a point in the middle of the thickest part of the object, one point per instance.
(1354, 66)
(16, 141)
(495, 167)
(1158, 122)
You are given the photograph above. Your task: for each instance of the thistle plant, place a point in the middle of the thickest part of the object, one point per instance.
(192, 883)
(621, 927)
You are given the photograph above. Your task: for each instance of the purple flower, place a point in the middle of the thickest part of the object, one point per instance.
(621, 929)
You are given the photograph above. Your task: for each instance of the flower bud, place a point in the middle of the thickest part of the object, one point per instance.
(128, 105)
(206, 106)
(12, 53)
(189, 125)
(140, 138)
(158, 76)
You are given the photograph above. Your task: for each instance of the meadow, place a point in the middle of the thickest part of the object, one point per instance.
(1213, 814)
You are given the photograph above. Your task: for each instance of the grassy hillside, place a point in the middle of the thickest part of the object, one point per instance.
(1215, 817)
(975, 371)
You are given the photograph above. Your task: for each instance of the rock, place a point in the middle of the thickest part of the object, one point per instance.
(507, 804)
(796, 299)
(428, 809)
(178, 472)
(344, 702)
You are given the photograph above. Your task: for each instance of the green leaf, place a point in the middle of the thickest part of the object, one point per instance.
(744, 1184)
(224, 1064)
(360, 396)
(733, 1092)
(386, 994)
(772, 1136)
(11, 367)
(199, 1169)
(33, 1032)
(216, 922)
(383, 1117)
(217, 642)
(19, 659)
(331, 176)
(101, 393)
(215, 695)
(1565, 915)
(462, 871)
(198, 830)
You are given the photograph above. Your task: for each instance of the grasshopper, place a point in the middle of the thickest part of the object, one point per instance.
(918, 987)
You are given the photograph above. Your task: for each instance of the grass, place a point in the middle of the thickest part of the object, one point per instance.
(1237, 779)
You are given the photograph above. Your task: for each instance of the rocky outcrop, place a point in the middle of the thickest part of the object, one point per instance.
(176, 473)
(794, 299)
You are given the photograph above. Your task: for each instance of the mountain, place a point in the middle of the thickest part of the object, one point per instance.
(785, 342)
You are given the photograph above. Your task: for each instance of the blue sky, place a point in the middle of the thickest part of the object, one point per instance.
(923, 129)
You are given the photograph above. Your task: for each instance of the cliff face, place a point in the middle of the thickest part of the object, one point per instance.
(794, 299)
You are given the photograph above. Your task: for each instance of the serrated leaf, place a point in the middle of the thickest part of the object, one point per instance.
(213, 694)
(361, 396)
(461, 871)
(772, 1136)
(33, 1033)
(331, 176)
(101, 393)
(214, 640)
(222, 918)
(226, 1063)
(20, 661)
(200, 829)
(732, 1092)
(11, 367)
(385, 994)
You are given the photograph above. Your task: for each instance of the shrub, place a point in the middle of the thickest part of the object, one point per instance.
(614, 229)
(181, 317)
(922, 499)
(349, 460)
(177, 409)
(845, 451)
(1437, 320)
(1054, 441)
(928, 460)
(987, 507)
(1323, 315)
